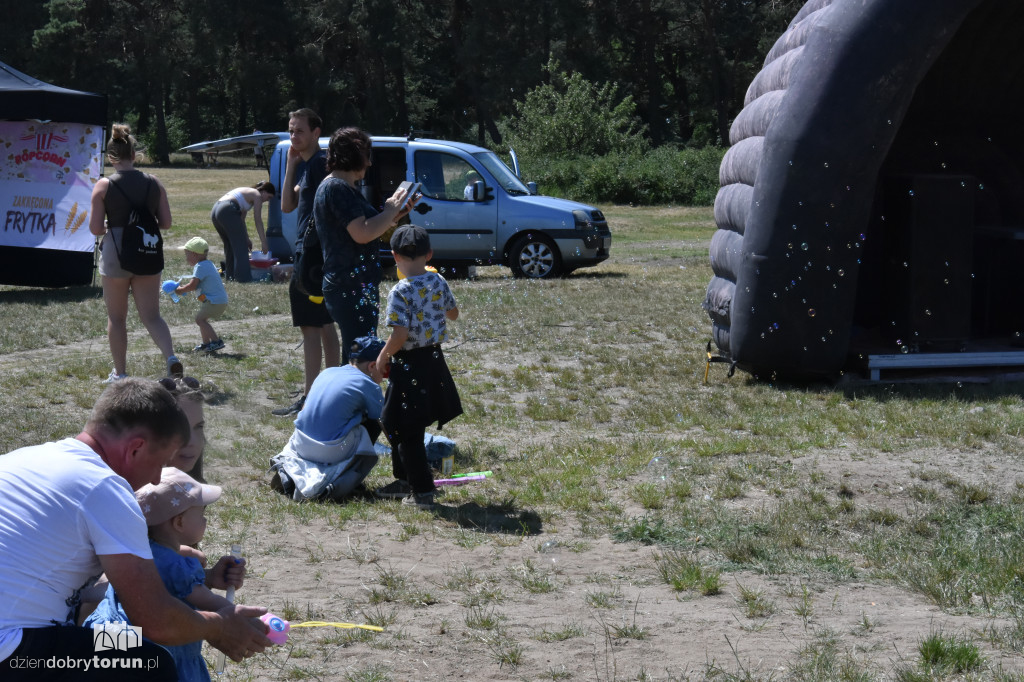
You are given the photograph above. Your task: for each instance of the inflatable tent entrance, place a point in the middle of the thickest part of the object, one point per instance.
(873, 197)
(51, 140)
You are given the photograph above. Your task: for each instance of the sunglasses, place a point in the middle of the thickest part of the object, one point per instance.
(173, 385)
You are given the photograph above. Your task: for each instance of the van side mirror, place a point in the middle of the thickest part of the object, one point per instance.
(481, 192)
(532, 186)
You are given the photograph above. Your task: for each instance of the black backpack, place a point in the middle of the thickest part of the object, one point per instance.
(142, 245)
(309, 262)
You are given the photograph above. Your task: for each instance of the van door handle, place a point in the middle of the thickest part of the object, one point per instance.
(422, 208)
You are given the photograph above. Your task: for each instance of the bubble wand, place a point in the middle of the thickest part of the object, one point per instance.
(485, 474)
(458, 481)
(236, 552)
(279, 627)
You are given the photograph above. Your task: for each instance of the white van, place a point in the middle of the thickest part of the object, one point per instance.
(476, 209)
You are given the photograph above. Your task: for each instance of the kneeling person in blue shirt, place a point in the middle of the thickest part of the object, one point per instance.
(331, 450)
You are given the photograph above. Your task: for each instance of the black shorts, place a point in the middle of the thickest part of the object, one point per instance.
(305, 313)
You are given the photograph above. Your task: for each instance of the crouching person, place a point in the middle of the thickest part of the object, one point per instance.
(331, 450)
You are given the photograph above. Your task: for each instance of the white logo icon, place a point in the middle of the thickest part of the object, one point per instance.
(116, 636)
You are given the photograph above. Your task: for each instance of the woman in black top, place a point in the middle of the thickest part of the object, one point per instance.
(108, 217)
(349, 229)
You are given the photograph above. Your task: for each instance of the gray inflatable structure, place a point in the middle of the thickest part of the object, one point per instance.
(872, 199)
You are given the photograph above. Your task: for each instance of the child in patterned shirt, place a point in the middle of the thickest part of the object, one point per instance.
(420, 387)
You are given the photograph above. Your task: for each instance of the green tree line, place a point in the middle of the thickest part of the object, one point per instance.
(187, 70)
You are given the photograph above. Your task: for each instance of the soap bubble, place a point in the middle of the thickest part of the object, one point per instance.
(657, 469)
(549, 546)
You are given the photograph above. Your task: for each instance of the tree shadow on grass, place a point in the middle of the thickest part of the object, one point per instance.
(39, 296)
(583, 273)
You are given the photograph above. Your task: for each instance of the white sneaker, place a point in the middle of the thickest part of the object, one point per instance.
(114, 376)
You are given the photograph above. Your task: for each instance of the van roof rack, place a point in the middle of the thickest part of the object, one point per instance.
(414, 134)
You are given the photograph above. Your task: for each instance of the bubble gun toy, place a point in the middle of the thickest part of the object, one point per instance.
(278, 628)
(168, 287)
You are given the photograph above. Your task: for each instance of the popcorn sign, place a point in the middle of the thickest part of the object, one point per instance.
(47, 172)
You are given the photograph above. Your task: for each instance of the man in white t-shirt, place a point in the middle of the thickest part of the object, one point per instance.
(67, 515)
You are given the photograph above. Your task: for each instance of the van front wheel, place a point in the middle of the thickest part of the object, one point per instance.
(534, 257)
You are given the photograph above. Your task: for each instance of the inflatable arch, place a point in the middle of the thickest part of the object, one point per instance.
(873, 196)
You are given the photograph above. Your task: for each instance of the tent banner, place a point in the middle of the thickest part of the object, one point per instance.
(47, 172)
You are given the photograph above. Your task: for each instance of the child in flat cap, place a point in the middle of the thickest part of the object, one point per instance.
(174, 511)
(211, 292)
(420, 387)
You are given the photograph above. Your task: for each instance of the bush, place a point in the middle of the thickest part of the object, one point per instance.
(583, 141)
(571, 116)
(665, 175)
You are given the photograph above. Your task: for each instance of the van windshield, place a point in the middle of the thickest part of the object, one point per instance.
(502, 173)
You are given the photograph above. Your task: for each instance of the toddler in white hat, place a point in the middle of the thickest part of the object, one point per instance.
(175, 513)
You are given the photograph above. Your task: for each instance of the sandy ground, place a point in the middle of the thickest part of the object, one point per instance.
(602, 592)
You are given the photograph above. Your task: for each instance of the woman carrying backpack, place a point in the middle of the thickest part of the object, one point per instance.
(131, 257)
(228, 218)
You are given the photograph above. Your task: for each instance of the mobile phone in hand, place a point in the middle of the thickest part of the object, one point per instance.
(411, 189)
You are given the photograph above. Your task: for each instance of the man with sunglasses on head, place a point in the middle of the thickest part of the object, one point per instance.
(68, 514)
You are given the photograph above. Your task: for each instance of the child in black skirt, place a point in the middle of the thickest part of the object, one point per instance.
(420, 387)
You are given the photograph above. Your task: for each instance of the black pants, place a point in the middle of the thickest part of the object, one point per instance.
(409, 459)
(67, 652)
(420, 392)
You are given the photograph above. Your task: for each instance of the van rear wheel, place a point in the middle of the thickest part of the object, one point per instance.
(534, 257)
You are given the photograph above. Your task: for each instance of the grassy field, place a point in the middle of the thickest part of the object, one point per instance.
(586, 397)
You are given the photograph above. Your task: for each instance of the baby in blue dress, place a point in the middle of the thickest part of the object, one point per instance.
(174, 510)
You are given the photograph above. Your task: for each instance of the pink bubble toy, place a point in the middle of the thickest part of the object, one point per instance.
(278, 628)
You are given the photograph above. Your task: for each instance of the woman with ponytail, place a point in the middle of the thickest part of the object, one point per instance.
(113, 199)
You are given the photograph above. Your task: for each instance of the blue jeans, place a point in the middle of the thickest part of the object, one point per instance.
(355, 306)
